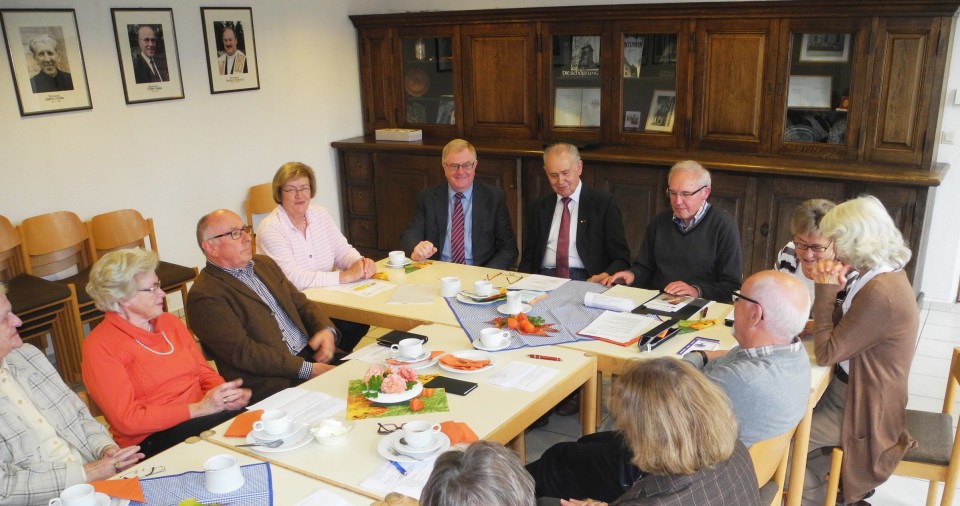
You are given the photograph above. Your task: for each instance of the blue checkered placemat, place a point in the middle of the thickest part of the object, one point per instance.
(563, 307)
(257, 489)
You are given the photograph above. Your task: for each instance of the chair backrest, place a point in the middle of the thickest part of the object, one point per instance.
(121, 229)
(259, 201)
(770, 455)
(11, 259)
(54, 242)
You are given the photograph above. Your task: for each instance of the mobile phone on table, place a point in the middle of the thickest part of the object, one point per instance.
(451, 385)
(395, 336)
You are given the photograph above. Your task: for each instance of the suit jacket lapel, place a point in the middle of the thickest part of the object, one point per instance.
(234, 283)
(440, 209)
(582, 211)
(481, 206)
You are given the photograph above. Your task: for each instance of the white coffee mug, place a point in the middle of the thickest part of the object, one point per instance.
(77, 495)
(449, 286)
(482, 287)
(222, 474)
(410, 347)
(513, 302)
(493, 337)
(397, 257)
(273, 422)
(419, 434)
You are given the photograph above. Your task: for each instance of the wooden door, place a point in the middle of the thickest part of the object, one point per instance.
(377, 78)
(907, 66)
(734, 84)
(499, 80)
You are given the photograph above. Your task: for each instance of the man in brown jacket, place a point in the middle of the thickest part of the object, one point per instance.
(250, 319)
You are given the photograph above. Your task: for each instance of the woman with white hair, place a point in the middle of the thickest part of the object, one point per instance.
(143, 367)
(485, 474)
(871, 340)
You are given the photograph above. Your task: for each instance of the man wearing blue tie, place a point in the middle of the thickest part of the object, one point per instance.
(459, 221)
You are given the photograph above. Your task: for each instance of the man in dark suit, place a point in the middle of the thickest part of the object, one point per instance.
(146, 68)
(485, 234)
(250, 319)
(46, 52)
(596, 243)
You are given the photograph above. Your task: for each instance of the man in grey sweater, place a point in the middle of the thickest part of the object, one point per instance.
(766, 377)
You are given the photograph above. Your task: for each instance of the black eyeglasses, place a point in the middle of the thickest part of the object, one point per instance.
(292, 189)
(737, 296)
(511, 277)
(234, 234)
(143, 472)
(152, 289)
(684, 195)
(816, 248)
(387, 428)
(467, 166)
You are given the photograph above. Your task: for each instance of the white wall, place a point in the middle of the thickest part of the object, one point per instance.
(178, 159)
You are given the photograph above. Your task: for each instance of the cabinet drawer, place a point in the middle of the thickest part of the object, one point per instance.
(358, 168)
(363, 233)
(360, 200)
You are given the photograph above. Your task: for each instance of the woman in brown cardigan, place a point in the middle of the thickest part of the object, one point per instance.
(871, 338)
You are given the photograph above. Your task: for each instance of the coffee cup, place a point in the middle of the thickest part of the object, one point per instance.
(449, 286)
(493, 337)
(77, 495)
(410, 347)
(397, 257)
(419, 434)
(513, 302)
(273, 422)
(222, 474)
(482, 287)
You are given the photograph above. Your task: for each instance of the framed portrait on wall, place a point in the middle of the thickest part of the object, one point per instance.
(147, 53)
(230, 48)
(46, 60)
(660, 115)
(825, 47)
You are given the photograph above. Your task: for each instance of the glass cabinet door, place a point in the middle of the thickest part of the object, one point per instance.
(428, 81)
(576, 101)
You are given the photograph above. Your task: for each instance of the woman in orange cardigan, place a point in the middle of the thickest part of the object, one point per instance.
(142, 366)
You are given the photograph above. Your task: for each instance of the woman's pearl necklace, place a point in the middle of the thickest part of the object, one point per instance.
(155, 352)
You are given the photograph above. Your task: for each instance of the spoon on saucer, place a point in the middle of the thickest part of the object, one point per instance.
(269, 444)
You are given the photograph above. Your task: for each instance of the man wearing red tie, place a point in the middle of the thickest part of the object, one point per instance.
(459, 221)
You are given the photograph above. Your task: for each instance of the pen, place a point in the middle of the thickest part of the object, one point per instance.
(399, 467)
(545, 357)
(703, 312)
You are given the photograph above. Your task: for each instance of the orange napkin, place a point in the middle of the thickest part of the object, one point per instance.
(243, 423)
(121, 489)
(463, 363)
(458, 432)
(391, 361)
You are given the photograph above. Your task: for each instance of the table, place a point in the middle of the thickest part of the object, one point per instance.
(494, 413)
(289, 487)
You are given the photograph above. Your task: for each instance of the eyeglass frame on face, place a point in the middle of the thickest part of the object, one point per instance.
(684, 195)
(299, 189)
(383, 429)
(234, 234)
(816, 248)
(736, 296)
(152, 288)
(466, 166)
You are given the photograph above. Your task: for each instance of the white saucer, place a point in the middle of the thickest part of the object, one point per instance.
(468, 300)
(383, 398)
(387, 442)
(299, 438)
(423, 356)
(406, 262)
(417, 450)
(469, 355)
(524, 308)
(478, 345)
(424, 363)
(102, 499)
(263, 435)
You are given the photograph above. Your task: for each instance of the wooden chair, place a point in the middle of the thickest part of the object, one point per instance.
(770, 463)
(259, 201)
(937, 456)
(127, 228)
(44, 306)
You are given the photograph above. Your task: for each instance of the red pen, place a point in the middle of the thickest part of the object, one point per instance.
(544, 357)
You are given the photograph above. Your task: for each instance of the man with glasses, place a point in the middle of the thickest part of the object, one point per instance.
(251, 320)
(459, 221)
(146, 67)
(766, 377)
(693, 249)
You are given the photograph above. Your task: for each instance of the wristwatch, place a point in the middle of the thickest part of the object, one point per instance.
(336, 334)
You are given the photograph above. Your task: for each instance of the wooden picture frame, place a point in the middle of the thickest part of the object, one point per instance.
(661, 113)
(148, 55)
(231, 61)
(46, 60)
(825, 47)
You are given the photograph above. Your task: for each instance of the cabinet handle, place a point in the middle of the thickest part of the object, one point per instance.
(359, 195)
(765, 229)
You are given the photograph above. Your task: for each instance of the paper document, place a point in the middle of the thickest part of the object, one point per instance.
(372, 354)
(608, 302)
(414, 293)
(386, 478)
(699, 343)
(538, 282)
(323, 498)
(619, 328)
(523, 376)
(667, 302)
(365, 288)
(304, 406)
